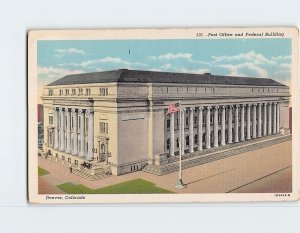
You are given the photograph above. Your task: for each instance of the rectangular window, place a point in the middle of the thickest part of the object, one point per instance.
(76, 162)
(86, 125)
(69, 160)
(168, 124)
(63, 157)
(103, 127)
(50, 120)
(50, 92)
(103, 91)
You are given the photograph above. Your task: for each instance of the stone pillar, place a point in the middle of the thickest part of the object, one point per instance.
(62, 133)
(229, 127)
(223, 124)
(248, 122)
(207, 128)
(274, 118)
(191, 130)
(265, 120)
(236, 124)
(254, 121)
(216, 126)
(182, 131)
(270, 119)
(200, 133)
(259, 121)
(55, 128)
(90, 154)
(68, 131)
(277, 118)
(75, 138)
(172, 134)
(82, 148)
(242, 123)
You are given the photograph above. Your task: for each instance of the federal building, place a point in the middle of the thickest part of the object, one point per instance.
(116, 120)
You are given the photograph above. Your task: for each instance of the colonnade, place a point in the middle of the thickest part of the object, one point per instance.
(82, 134)
(218, 125)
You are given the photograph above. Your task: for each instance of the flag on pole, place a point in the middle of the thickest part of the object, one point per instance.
(172, 108)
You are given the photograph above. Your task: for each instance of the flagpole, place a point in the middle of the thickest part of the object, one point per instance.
(179, 184)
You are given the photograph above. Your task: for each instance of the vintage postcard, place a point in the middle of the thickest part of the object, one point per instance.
(163, 115)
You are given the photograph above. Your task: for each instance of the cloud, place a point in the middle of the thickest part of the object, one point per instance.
(171, 56)
(105, 60)
(50, 74)
(62, 52)
(239, 69)
(281, 58)
(194, 71)
(256, 58)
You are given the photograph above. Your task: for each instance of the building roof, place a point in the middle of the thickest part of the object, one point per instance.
(140, 76)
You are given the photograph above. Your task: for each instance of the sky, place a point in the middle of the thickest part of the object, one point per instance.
(261, 58)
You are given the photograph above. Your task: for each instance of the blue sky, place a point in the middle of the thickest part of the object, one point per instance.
(268, 58)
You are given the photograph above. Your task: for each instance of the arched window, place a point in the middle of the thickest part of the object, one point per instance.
(196, 139)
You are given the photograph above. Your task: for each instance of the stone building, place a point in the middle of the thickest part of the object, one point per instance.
(117, 119)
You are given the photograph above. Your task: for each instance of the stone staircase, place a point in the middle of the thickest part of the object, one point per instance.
(206, 156)
(86, 174)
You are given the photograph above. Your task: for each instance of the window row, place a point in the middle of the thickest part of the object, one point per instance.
(79, 91)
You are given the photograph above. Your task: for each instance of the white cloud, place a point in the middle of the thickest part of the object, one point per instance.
(256, 58)
(111, 60)
(104, 60)
(170, 56)
(194, 71)
(50, 74)
(236, 70)
(281, 58)
(61, 52)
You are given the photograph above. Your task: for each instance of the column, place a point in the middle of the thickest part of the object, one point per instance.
(172, 135)
(90, 154)
(259, 121)
(82, 150)
(265, 120)
(274, 118)
(55, 128)
(242, 122)
(216, 126)
(68, 131)
(254, 121)
(236, 124)
(207, 128)
(270, 119)
(248, 122)
(182, 131)
(229, 127)
(277, 118)
(200, 133)
(62, 133)
(75, 138)
(223, 124)
(191, 130)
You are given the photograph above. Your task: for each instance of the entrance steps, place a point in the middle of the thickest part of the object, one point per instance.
(86, 174)
(210, 155)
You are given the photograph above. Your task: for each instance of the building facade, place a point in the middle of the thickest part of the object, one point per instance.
(117, 119)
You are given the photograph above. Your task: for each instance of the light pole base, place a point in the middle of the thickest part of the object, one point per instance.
(180, 185)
